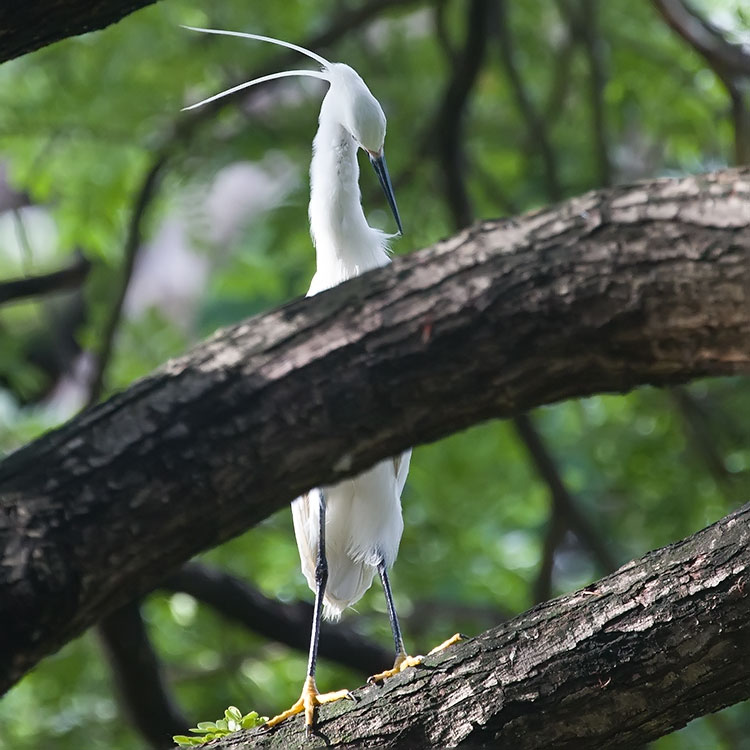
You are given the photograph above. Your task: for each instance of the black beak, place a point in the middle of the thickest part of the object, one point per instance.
(378, 162)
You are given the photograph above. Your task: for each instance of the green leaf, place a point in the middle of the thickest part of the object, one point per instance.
(252, 720)
(182, 740)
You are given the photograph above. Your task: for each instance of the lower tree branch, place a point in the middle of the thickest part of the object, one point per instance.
(624, 661)
(634, 285)
(285, 623)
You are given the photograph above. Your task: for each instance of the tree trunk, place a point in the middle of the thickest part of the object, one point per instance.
(615, 665)
(643, 284)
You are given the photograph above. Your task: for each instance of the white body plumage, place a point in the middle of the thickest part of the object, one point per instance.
(363, 514)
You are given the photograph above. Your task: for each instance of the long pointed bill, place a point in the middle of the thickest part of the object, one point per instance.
(378, 162)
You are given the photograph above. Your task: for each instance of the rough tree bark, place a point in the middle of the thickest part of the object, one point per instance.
(27, 26)
(643, 284)
(623, 661)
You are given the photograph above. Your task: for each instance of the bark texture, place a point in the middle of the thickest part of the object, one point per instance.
(641, 284)
(624, 661)
(30, 25)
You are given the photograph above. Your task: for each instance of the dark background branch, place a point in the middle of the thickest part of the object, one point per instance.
(564, 513)
(70, 277)
(452, 113)
(138, 675)
(585, 26)
(284, 623)
(535, 127)
(730, 62)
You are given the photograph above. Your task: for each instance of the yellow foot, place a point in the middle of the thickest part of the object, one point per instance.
(307, 702)
(404, 662)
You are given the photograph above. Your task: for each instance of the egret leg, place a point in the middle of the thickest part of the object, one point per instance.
(403, 660)
(310, 697)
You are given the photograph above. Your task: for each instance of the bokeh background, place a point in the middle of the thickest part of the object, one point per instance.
(172, 224)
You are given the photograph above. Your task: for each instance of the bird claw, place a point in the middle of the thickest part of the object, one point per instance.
(404, 662)
(307, 703)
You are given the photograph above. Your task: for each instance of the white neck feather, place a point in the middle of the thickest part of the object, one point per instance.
(345, 245)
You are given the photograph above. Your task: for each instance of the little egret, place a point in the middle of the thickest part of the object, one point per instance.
(349, 531)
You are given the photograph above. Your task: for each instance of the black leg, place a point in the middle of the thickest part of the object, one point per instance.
(321, 578)
(398, 641)
(310, 697)
(403, 661)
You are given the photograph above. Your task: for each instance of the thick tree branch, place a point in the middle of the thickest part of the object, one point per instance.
(285, 623)
(635, 285)
(624, 661)
(26, 26)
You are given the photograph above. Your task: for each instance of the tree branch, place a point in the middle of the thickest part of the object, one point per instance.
(25, 27)
(731, 59)
(133, 239)
(563, 506)
(536, 127)
(634, 285)
(451, 114)
(70, 277)
(139, 678)
(285, 623)
(566, 514)
(730, 62)
(624, 661)
(586, 25)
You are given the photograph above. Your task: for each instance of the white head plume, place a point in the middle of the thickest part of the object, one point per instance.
(320, 74)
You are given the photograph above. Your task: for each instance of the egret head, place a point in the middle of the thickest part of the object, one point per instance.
(354, 106)
(360, 113)
(357, 109)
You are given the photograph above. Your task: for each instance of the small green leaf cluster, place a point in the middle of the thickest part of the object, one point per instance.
(233, 721)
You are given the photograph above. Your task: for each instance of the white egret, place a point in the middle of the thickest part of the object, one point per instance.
(349, 531)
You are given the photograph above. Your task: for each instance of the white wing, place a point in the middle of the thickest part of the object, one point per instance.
(401, 468)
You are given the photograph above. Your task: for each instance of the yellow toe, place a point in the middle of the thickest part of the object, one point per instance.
(455, 638)
(308, 702)
(404, 662)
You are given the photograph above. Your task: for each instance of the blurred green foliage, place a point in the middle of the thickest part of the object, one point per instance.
(80, 124)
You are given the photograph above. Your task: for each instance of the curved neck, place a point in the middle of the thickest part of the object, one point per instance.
(345, 244)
